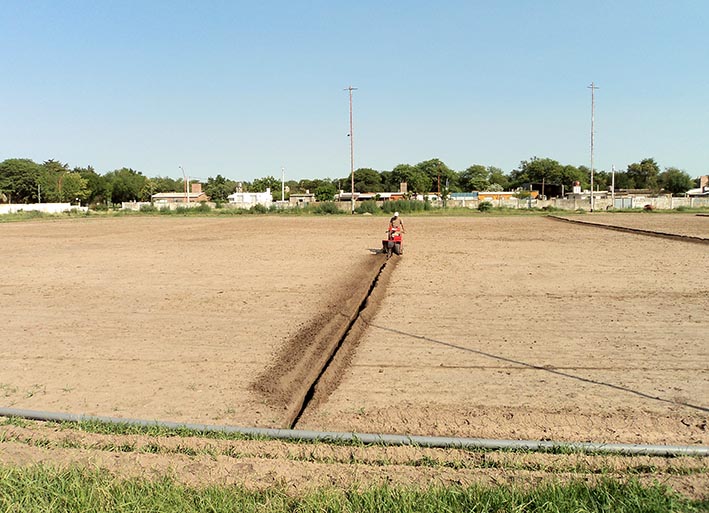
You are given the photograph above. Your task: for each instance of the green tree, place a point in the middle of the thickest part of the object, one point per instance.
(418, 182)
(475, 178)
(538, 170)
(19, 179)
(389, 182)
(624, 181)
(499, 181)
(437, 173)
(267, 182)
(571, 174)
(367, 180)
(52, 175)
(644, 174)
(675, 180)
(601, 180)
(219, 188)
(74, 187)
(95, 184)
(125, 184)
(325, 191)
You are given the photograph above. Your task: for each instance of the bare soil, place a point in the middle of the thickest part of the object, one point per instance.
(500, 327)
(687, 224)
(165, 318)
(526, 328)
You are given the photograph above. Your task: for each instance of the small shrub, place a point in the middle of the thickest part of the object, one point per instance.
(404, 206)
(181, 210)
(203, 208)
(485, 206)
(326, 207)
(148, 208)
(258, 209)
(368, 207)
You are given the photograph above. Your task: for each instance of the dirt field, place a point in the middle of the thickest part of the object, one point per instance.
(533, 329)
(163, 318)
(687, 224)
(513, 327)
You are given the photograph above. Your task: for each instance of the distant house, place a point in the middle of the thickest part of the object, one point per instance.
(501, 195)
(173, 198)
(703, 189)
(250, 199)
(301, 199)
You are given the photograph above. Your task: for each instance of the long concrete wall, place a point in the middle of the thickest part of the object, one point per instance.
(656, 202)
(47, 208)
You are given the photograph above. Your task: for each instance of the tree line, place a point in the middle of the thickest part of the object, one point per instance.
(25, 181)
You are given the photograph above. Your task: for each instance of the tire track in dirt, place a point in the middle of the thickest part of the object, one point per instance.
(651, 233)
(303, 371)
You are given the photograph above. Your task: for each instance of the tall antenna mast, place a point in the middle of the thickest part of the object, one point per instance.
(351, 134)
(593, 88)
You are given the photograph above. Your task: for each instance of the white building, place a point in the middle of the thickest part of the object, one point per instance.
(249, 199)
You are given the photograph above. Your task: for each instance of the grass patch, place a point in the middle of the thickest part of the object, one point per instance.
(47, 489)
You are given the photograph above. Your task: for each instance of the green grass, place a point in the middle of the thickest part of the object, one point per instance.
(474, 458)
(47, 489)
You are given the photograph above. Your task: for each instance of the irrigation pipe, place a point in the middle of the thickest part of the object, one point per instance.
(377, 438)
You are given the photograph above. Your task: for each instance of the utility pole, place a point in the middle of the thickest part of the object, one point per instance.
(613, 186)
(351, 134)
(593, 88)
(283, 184)
(184, 176)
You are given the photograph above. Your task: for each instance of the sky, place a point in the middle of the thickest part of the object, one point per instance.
(243, 89)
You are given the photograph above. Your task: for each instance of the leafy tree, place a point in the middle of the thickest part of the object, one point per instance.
(436, 170)
(475, 178)
(125, 184)
(389, 182)
(498, 178)
(624, 181)
(537, 170)
(52, 176)
(601, 180)
(675, 180)
(367, 180)
(644, 174)
(571, 174)
(19, 179)
(95, 184)
(219, 188)
(74, 187)
(325, 192)
(292, 187)
(418, 182)
(267, 182)
(167, 184)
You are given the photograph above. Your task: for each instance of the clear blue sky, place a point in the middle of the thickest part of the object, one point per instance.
(243, 88)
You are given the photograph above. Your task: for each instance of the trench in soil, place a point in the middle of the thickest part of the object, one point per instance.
(310, 365)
